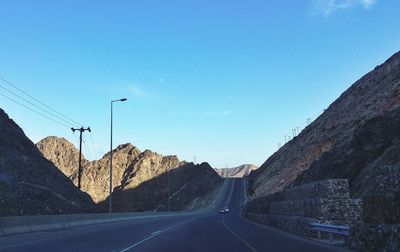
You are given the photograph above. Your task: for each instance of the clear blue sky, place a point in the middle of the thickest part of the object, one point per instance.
(220, 80)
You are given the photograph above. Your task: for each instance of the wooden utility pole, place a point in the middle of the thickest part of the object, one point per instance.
(81, 130)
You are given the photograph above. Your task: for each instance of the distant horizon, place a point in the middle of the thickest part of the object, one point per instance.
(225, 82)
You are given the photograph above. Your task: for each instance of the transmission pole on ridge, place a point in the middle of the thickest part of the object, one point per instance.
(81, 130)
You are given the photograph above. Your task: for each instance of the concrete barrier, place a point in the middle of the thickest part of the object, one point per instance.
(40, 223)
(58, 221)
(1, 231)
(27, 224)
(15, 225)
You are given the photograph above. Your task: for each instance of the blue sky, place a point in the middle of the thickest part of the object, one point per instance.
(220, 80)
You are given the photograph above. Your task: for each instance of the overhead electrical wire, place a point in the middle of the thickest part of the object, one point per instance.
(71, 121)
(87, 148)
(31, 103)
(36, 106)
(52, 119)
(94, 146)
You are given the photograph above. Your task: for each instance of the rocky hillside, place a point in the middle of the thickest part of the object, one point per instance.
(191, 186)
(133, 171)
(371, 161)
(236, 172)
(29, 183)
(55, 149)
(356, 138)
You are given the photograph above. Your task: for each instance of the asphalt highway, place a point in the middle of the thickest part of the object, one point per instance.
(204, 230)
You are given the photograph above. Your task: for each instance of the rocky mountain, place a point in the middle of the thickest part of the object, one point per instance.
(29, 183)
(236, 172)
(191, 186)
(136, 174)
(55, 149)
(356, 138)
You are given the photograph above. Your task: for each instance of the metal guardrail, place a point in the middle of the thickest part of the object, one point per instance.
(331, 230)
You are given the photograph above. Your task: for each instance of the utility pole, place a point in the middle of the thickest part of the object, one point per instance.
(169, 190)
(81, 130)
(194, 160)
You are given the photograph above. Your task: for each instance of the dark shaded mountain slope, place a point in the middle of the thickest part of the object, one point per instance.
(29, 183)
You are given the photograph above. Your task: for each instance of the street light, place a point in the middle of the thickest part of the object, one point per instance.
(111, 153)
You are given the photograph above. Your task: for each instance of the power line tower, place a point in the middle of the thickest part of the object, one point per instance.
(81, 130)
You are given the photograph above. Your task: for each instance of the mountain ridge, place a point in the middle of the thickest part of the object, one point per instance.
(131, 169)
(375, 94)
(26, 174)
(236, 172)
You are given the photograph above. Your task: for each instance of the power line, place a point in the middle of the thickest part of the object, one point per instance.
(87, 148)
(41, 103)
(94, 146)
(62, 124)
(31, 103)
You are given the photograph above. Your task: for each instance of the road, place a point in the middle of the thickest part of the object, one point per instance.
(205, 230)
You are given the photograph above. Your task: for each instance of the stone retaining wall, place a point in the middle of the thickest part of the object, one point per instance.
(380, 230)
(293, 210)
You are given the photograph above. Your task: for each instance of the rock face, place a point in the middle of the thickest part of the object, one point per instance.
(139, 178)
(56, 149)
(96, 174)
(357, 138)
(352, 138)
(371, 160)
(191, 186)
(29, 183)
(236, 172)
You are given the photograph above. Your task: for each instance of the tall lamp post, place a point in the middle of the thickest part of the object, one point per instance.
(111, 153)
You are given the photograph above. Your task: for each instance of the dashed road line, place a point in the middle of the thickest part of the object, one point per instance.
(156, 234)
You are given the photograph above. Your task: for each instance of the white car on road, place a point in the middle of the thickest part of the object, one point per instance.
(224, 210)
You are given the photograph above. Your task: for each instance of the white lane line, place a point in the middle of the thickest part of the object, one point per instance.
(74, 231)
(238, 237)
(156, 234)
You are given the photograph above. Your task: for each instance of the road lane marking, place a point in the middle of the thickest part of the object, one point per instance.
(238, 237)
(74, 231)
(156, 234)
